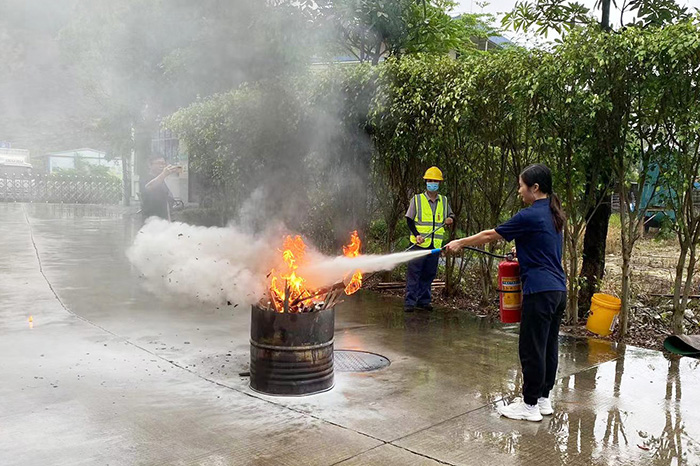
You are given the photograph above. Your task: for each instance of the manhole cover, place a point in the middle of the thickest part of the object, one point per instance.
(358, 361)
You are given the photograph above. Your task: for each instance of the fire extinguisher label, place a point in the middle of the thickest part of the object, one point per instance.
(512, 298)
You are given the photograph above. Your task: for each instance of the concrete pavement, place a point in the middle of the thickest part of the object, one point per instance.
(108, 374)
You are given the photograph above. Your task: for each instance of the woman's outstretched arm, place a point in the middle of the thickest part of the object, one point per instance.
(483, 237)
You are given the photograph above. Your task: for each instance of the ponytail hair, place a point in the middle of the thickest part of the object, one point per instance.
(557, 212)
(541, 175)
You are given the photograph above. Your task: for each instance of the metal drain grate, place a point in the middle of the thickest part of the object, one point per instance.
(358, 361)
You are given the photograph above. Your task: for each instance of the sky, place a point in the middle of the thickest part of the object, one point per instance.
(498, 7)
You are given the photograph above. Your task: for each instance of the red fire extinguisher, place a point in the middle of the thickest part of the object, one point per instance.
(510, 290)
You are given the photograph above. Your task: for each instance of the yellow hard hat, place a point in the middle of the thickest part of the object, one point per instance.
(433, 173)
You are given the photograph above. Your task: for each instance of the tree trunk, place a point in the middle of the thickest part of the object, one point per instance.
(451, 268)
(625, 295)
(627, 232)
(390, 235)
(486, 283)
(449, 264)
(605, 17)
(678, 308)
(572, 296)
(692, 262)
(126, 182)
(377, 53)
(593, 267)
(690, 272)
(392, 221)
(391, 225)
(142, 148)
(464, 261)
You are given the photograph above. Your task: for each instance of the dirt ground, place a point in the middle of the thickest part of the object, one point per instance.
(653, 271)
(653, 266)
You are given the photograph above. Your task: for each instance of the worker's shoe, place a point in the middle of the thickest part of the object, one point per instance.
(545, 406)
(522, 411)
(409, 308)
(426, 307)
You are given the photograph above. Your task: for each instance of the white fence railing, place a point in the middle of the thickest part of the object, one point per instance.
(60, 188)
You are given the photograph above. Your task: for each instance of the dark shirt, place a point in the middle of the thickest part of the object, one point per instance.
(154, 203)
(539, 248)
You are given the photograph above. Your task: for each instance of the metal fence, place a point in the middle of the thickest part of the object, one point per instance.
(60, 188)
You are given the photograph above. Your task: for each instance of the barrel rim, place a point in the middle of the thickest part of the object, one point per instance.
(297, 314)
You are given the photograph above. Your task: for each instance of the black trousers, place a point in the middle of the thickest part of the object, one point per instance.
(539, 342)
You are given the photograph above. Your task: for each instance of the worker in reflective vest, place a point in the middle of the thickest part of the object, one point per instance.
(427, 215)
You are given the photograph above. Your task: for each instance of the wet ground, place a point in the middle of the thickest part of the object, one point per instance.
(106, 373)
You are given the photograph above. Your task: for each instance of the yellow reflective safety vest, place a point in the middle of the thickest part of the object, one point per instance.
(426, 221)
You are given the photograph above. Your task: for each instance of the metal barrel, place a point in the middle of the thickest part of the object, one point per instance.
(291, 354)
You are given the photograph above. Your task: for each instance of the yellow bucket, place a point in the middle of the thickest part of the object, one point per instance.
(604, 310)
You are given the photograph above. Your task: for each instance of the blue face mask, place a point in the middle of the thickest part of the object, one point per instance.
(432, 186)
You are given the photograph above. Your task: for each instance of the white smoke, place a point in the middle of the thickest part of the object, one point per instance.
(323, 271)
(220, 265)
(208, 264)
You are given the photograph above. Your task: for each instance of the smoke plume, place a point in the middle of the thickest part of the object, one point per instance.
(213, 265)
(220, 265)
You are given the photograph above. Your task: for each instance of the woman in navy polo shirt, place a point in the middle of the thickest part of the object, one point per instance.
(537, 231)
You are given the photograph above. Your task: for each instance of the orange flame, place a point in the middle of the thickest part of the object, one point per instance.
(353, 250)
(291, 284)
(286, 286)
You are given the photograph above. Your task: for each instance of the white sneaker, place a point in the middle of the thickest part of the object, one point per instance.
(520, 410)
(545, 406)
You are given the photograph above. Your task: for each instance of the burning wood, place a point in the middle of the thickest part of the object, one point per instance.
(288, 292)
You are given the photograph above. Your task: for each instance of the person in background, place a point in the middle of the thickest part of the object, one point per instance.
(156, 198)
(537, 232)
(427, 215)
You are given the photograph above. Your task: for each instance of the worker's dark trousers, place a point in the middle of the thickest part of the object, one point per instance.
(539, 342)
(419, 278)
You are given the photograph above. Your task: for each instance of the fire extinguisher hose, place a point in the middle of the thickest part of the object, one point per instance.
(508, 256)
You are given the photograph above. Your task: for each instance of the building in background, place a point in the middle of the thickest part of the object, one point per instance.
(73, 159)
(491, 43)
(14, 161)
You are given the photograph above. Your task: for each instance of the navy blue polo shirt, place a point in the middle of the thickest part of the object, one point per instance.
(539, 248)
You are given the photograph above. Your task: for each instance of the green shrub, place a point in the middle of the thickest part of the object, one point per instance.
(666, 230)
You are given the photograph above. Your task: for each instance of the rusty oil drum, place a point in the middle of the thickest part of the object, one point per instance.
(291, 354)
